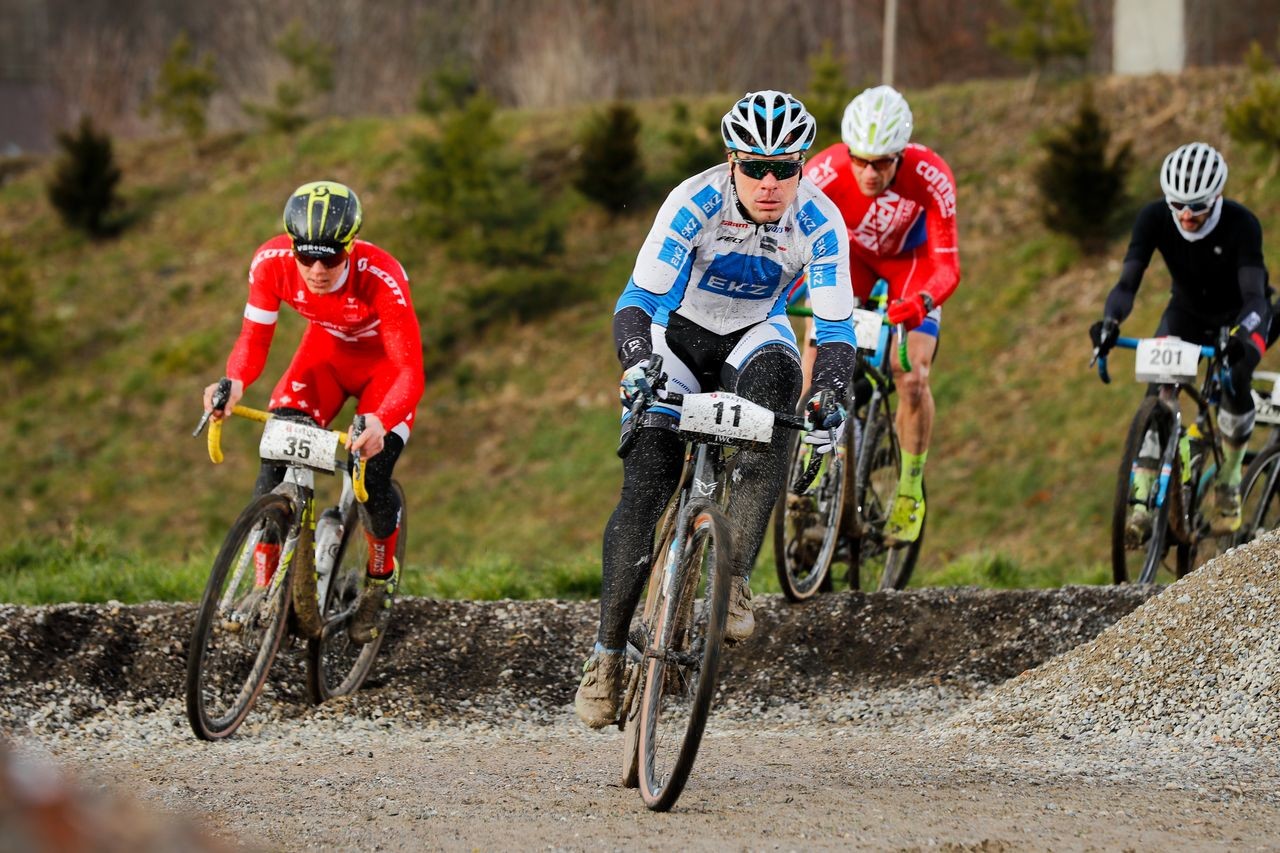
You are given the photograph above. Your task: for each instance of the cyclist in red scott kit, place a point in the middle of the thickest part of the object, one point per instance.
(362, 340)
(899, 204)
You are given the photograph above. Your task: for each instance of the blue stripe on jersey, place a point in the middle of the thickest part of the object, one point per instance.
(822, 275)
(826, 245)
(673, 253)
(709, 200)
(917, 235)
(835, 331)
(635, 296)
(810, 218)
(686, 224)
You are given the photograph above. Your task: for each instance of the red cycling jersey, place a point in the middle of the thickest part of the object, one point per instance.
(362, 340)
(906, 234)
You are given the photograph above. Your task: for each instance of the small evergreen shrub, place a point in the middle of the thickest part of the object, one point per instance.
(1081, 184)
(827, 97)
(83, 187)
(449, 88)
(1255, 118)
(473, 197)
(183, 89)
(610, 171)
(696, 143)
(310, 77)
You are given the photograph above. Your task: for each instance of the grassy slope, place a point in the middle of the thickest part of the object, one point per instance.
(511, 474)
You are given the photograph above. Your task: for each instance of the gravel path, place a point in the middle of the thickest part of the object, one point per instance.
(900, 721)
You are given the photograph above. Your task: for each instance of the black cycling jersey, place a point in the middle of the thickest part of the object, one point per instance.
(1221, 278)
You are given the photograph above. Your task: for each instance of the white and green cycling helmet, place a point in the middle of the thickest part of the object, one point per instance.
(877, 123)
(768, 123)
(1193, 174)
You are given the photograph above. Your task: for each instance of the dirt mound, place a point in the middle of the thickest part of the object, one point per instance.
(451, 659)
(1200, 663)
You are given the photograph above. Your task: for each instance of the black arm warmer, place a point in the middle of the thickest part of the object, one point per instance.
(1120, 299)
(833, 366)
(631, 336)
(1253, 293)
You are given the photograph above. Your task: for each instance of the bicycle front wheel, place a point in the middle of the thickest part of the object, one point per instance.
(683, 656)
(240, 623)
(335, 665)
(1139, 519)
(806, 527)
(875, 564)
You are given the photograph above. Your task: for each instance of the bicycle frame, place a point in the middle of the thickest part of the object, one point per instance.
(1204, 398)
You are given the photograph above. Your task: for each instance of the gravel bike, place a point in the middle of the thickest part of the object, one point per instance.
(1260, 488)
(1167, 468)
(309, 585)
(673, 649)
(840, 519)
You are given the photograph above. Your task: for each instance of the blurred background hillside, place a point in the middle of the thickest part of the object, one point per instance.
(492, 197)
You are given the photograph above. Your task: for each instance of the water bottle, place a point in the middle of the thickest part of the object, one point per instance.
(328, 540)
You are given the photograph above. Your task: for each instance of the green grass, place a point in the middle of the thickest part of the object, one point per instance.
(510, 473)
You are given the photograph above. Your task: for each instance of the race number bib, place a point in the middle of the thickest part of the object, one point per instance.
(1167, 360)
(299, 444)
(726, 416)
(866, 328)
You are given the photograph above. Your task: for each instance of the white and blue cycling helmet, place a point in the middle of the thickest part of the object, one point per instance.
(768, 123)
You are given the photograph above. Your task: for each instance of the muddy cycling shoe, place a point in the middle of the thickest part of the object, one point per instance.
(1225, 515)
(596, 702)
(906, 517)
(374, 607)
(741, 621)
(1137, 528)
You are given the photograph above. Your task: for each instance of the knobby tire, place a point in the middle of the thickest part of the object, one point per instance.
(227, 668)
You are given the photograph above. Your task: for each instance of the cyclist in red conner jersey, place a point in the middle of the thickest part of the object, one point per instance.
(898, 200)
(362, 340)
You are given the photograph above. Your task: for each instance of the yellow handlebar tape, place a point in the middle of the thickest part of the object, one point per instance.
(215, 442)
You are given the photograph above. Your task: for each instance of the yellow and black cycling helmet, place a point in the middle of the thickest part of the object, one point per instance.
(323, 218)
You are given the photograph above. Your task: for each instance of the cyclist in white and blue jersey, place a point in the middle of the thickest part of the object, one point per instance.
(708, 294)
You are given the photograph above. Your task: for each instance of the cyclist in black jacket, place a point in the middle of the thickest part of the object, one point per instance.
(1213, 249)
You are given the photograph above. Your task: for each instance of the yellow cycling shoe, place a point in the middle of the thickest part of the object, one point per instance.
(905, 520)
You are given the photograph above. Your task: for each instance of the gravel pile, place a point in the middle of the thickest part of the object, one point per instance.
(1199, 664)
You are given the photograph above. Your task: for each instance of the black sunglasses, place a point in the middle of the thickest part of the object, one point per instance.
(880, 164)
(781, 169)
(327, 261)
(1195, 207)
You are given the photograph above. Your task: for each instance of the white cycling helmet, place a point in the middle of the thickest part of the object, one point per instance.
(877, 122)
(1194, 173)
(768, 123)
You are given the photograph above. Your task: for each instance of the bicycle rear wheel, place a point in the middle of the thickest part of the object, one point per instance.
(875, 564)
(1139, 554)
(239, 625)
(683, 658)
(806, 527)
(1260, 496)
(335, 665)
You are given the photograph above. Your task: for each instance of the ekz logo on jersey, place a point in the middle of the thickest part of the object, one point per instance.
(736, 289)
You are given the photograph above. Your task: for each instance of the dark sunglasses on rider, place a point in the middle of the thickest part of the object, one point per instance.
(880, 164)
(327, 261)
(781, 169)
(1195, 207)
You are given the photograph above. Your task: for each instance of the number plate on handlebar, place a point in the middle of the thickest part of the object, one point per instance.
(726, 416)
(866, 327)
(1167, 360)
(299, 444)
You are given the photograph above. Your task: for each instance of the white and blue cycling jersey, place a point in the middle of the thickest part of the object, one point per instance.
(705, 260)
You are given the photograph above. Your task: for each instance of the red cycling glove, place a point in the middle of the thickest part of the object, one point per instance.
(910, 311)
